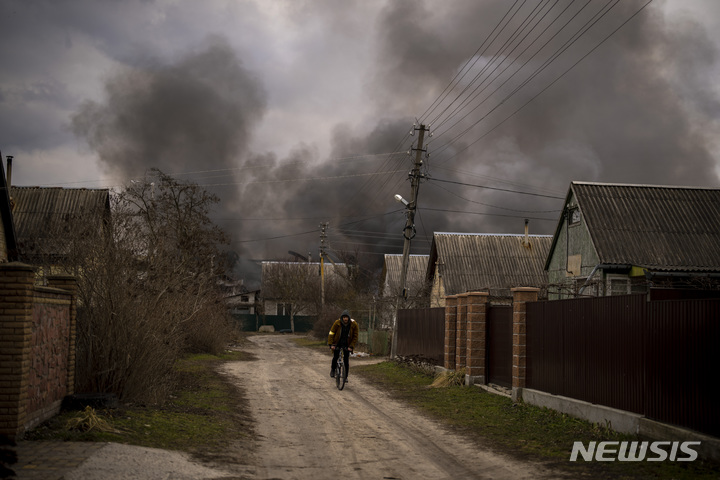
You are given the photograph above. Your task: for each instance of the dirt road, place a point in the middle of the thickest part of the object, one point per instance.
(310, 430)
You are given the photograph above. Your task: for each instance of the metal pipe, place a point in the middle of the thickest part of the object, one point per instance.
(9, 170)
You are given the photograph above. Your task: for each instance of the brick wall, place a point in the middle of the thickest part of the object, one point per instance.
(37, 347)
(466, 335)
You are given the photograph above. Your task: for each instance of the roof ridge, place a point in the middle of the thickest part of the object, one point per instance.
(643, 185)
(534, 235)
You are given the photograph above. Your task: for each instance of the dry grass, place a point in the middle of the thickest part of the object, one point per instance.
(89, 420)
(449, 379)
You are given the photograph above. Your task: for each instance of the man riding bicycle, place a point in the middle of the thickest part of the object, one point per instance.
(343, 337)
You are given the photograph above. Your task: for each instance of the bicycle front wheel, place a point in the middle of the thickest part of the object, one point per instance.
(340, 375)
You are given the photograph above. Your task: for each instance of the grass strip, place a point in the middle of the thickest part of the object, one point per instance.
(521, 430)
(203, 415)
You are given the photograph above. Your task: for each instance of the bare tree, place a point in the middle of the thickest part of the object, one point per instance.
(148, 289)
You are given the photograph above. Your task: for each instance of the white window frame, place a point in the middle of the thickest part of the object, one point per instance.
(610, 291)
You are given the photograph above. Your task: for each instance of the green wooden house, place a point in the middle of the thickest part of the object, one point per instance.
(614, 239)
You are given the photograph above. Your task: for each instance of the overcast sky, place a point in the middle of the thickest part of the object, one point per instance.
(296, 112)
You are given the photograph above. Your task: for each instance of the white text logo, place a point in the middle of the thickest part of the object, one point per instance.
(635, 451)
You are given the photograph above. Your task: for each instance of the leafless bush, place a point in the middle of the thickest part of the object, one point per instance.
(147, 289)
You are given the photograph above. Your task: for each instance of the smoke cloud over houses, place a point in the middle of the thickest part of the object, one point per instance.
(296, 114)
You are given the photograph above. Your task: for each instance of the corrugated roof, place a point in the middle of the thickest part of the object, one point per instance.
(415, 281)
(658, 227)
(472, 262)
(43, 216)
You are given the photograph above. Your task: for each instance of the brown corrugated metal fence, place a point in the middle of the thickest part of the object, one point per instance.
(421, 332)
(653, 358)
(499, 344)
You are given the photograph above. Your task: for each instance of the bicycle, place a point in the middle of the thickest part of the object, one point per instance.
(340, 374)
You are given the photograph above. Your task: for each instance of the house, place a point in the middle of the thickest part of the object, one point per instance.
(390, 289)
(243, 303)
(239, 300)
(463, 262)
(391, 276)
(614, 239)
(45, 219)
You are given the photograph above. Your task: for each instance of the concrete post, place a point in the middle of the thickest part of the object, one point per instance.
(521, 295)
(450, 331)
(16, 298)
(476, 338)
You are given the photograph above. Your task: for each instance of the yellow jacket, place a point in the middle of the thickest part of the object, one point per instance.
(336, 329)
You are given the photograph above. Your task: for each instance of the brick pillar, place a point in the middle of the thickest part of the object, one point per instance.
(476, 330)
(450, 331)
(16, 298)
(69, 284)
(521, 295)
(461, 333)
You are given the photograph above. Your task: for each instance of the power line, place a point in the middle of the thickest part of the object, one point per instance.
(489, 214)
(495, 206)
(553, 82)
(465, 173)
(312, 231)
(495, 188)
(578, 33)
(467, 102)
(477, 57)
(228, 170)
(499, 54)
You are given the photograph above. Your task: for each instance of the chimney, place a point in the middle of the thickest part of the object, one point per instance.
(9, 170)
(526, 242)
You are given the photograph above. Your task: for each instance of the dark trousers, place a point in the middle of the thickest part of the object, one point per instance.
(346, 359)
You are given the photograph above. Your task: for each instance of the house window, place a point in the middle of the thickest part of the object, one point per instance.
(244, 298)
(283, 309)
(574, 216)
(618, 285)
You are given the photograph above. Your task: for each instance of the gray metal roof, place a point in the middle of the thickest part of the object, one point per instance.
(43, 216)
(472, 262)
(417, 267)
(658, 227)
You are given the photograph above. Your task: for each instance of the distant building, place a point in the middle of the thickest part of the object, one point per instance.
(391, 276)
(615, 239)
(495, 263)
(295, 288)
(239, 300)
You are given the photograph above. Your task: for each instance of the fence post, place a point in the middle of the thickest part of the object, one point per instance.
(16, 298)
(69, 284)
(476, 337)
(521, 295)
(461, 333)
(451, 302)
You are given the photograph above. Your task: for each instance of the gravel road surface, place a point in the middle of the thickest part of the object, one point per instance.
(310, 430)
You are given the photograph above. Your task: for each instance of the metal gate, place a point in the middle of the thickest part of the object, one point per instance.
(499, 345)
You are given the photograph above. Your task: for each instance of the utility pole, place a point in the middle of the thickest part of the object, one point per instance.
(409, 231)
(323, 235)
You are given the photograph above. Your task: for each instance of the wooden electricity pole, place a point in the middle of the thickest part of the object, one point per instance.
(409, 232)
